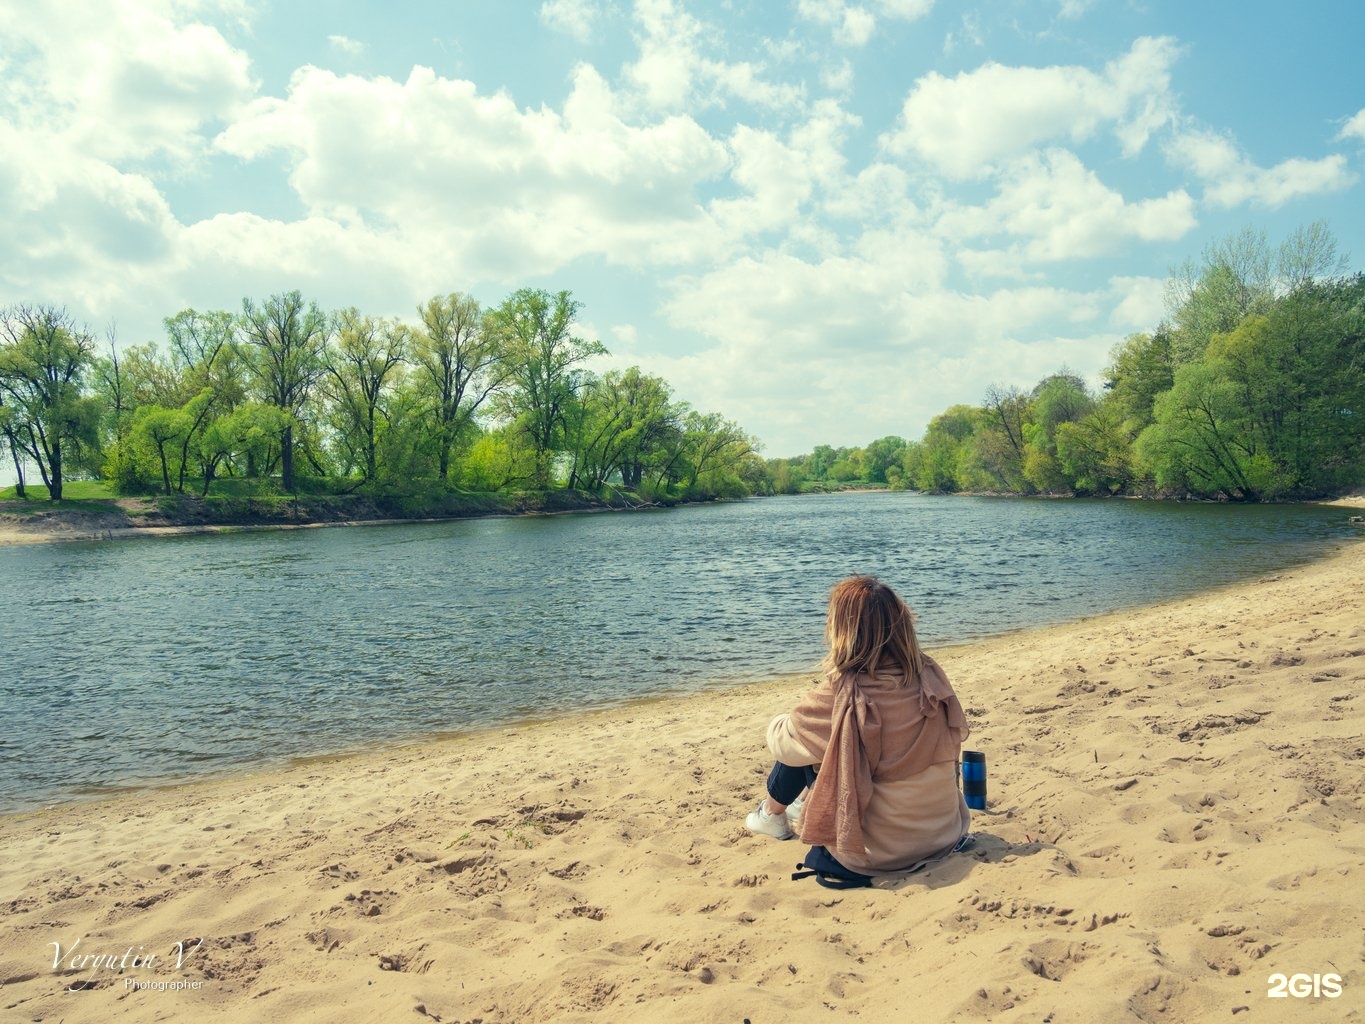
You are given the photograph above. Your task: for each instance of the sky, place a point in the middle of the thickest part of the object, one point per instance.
(828, 220)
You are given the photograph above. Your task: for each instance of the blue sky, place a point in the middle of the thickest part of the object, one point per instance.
(826, 219)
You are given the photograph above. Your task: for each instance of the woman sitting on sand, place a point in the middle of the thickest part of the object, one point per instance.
(886, 731)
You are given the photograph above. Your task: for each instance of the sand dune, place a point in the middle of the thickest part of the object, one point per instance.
(1176, 816)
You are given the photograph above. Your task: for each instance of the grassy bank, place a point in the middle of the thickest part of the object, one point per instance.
(91, 509)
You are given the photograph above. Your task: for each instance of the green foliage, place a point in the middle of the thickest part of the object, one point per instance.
(44, 361)
(1142, 367)
(944, 458)
(498, 460)
(1095, 452)
(459, 360)
(787, 476)
(622, 426)
(1197, 441)
(1254, 389)
(286, 342)
(362, 368)
(546, 367)
(881, 457)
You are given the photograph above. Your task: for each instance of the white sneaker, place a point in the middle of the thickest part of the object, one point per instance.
(764, 824)
(794, 811)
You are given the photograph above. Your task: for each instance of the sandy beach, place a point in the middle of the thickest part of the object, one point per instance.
(1176, 817)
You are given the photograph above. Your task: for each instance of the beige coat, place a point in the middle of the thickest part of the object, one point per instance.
(913, 809)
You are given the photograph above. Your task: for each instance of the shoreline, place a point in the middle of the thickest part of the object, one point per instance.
(111, 522)
(111, 519)
(1177, 811)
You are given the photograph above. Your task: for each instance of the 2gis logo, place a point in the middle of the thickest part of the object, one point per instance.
(1302, 986)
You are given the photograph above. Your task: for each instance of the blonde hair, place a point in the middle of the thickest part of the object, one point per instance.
(869, 627)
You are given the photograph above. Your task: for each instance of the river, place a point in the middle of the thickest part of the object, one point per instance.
(149, 660)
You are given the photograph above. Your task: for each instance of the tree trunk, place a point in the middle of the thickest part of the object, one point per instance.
(19, 490)
(165, 471)
(287, 458)
(371, 470)
(54, 483)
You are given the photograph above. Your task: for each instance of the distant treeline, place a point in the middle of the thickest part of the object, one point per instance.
(1253, 388)
(281, 393)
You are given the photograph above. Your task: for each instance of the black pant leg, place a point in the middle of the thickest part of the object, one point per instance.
(785, 782)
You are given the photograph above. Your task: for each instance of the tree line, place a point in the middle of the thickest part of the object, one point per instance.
(461, 397)
(1252, 388)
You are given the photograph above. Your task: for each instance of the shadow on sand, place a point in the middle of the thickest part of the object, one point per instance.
(986, 848)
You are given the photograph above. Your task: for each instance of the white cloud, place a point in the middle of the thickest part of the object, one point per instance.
(1071, 9)
(477, 182)
(779, 177)
(854, 24)
(879, 194)
(1354, 128)
(79, 229)
(1061, 210)
(572, 17)
(1141, 302)
(872, 339)
(121, 81)
(962, 125)
(970, 34)
(905, 10)
(623, 336)
(837, 77)
(672, 73)
(346, 45)
(1231, 179)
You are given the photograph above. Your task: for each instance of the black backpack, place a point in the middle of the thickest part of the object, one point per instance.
(829, 872)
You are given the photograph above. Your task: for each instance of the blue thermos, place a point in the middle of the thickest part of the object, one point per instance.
(974, 779)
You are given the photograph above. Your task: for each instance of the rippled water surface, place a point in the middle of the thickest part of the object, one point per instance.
(145, 660)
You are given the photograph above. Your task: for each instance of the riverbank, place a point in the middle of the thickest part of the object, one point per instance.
(1177, 815)
(37, 521)
(104, 519)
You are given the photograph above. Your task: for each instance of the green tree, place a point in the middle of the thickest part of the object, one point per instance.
(623, 421)
(713, 445)
(9, 429)
(1141, 368)
(848, 466)
(459, 355)
(288, 337)
(936, 463)
(213, 369)
(820, 461)
(545, 367)
(1058, 399)
(44, 359)
(1307, 256)
(498, 459)
(787, 476)
(999, 445)
(1236, 277)
(249, 431)
(881, 456)
(1200, 439)
(362, 361)
(1095, 452)
(162, 429)
(1297, 375)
